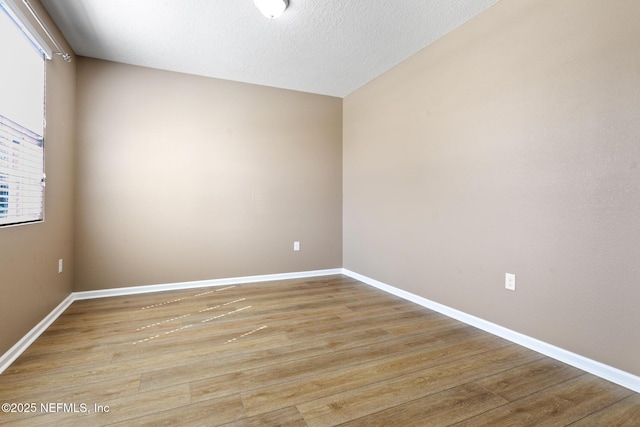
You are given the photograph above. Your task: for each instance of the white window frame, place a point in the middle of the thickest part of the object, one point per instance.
(22, 168)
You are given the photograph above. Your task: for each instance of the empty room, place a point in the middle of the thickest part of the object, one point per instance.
(320, 213)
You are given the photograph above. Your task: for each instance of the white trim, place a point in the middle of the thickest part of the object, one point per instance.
(615, 375)
(104, 293)
(14, 352)
(25, 26)
(609, 373)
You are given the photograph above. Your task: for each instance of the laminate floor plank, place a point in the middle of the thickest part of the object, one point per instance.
(256, 367)
(287, 417)
(320, 351)
(369, 398)
(43, 360)
(524, 380)
(313, 386)
(119, 409)
(75, 391)
(624, 413)
(559, 405)
(262, 352)
(210, 412)
(295, 376)
(440, 409)
(321, 329)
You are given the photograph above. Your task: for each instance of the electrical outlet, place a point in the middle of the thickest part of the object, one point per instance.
(60, 266)
(510, 281)
(296, 246)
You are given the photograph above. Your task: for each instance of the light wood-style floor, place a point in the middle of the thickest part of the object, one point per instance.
(318, 352)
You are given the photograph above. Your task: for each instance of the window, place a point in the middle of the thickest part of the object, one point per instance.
(21, 119)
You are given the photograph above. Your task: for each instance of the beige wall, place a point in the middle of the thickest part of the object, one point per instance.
(185, 178)
(510, 145)
(30, 286)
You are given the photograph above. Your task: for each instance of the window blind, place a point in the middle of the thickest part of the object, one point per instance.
(21, 174)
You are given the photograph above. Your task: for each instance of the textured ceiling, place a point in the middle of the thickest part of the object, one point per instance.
(329, 47)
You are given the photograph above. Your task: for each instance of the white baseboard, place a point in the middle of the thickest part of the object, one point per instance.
(609, 373)
(14, 352)
(601, 370)
(104, 293)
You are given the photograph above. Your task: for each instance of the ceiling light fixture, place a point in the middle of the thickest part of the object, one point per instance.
(271, 8)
